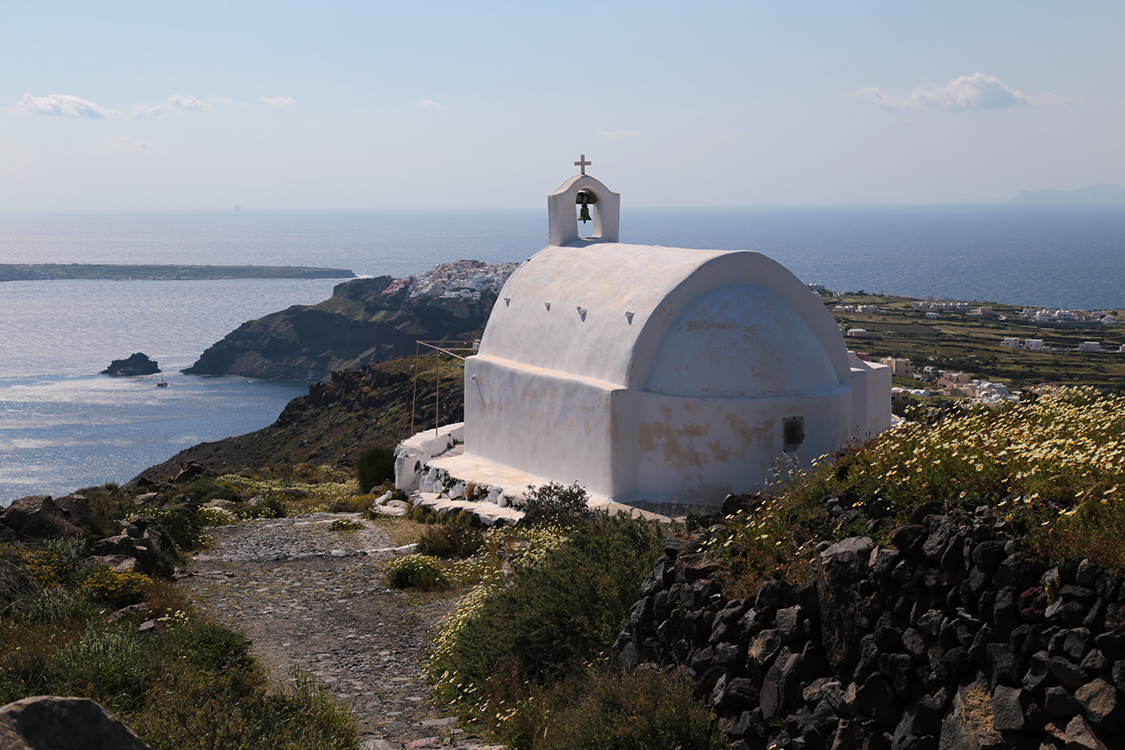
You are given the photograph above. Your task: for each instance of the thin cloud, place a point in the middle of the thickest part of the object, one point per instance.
(430, 104)
(174, 102)
(278, 101)
(618, 135)
(978, 91)
(62, 105)
(124, 142)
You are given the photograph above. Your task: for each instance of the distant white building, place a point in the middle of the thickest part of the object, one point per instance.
(933, 315)
(1033, 344)
(1011, 341)
(1090, 346)
(857, 333)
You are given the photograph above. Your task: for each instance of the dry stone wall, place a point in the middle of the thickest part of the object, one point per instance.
(951, 637)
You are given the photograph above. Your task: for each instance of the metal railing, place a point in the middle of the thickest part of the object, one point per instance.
(441, 347)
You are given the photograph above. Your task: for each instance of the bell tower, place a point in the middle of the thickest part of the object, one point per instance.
(582, 198)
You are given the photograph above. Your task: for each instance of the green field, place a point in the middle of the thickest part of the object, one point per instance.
(65, 271)
(962, 342)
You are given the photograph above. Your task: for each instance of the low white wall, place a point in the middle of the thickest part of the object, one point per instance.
(871, 397)
(540, 421)
(412, 454)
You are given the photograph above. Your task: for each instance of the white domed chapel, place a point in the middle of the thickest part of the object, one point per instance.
(650, 374)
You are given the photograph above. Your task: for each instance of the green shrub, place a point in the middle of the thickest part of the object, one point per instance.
(215, 516)
(182, 524)
(345, 524)
(110, 665)
(373, 467)
(62, 562)
(15, 579)
(558, 612)
(270, 507)
(639, 710)
(116, 589)
(450, 540)
(213, 647)
(417, 572)
(554, 504)
(216, 711)
(54, 605)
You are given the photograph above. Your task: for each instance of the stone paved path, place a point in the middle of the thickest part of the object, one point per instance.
(313, 598)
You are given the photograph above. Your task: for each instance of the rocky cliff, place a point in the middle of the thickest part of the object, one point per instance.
(350, 411)
(952, 637)
(365, 321)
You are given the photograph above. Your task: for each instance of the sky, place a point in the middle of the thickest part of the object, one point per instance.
(422, 105)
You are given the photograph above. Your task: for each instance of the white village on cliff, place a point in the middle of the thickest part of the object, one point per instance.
(652, 376)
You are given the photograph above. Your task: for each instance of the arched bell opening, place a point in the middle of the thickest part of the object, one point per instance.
(583, 197)
(587, 217)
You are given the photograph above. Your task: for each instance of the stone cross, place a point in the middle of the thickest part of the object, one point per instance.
(583, 163)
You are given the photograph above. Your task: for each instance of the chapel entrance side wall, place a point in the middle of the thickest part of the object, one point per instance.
(541, 422)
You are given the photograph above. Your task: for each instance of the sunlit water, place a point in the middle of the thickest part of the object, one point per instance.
(62, 426)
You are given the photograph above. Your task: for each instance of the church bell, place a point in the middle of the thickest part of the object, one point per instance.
(585, 199)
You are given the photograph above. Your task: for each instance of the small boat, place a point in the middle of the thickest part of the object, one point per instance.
(162, 383)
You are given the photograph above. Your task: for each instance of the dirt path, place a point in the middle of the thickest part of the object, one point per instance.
(314, 599)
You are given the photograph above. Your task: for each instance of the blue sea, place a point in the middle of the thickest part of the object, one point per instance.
(62, 426)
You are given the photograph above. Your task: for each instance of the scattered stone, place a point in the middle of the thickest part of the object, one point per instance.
(1080, 736)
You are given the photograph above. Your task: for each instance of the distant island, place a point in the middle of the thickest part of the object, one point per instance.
(67, 271)
(1090, 194)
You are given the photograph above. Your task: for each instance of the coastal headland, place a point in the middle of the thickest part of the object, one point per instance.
(70, 271)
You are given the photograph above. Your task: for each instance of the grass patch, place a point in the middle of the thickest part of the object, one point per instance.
(1054, 466)
(292, 489)
(639, 710)
(450, 540)
(549, 603)
(192, 685)
(417, 572)
(400, 530)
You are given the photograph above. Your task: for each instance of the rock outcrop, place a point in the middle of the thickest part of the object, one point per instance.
(136, 364)
(952, 637)
(40, 516)
(350, 411)
(365, 321)
(48, 722)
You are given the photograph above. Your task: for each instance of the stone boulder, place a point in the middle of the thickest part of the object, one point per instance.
(842, 565)
(49, 722)
(189, 471)
(136, 364)
(76, 509)
(39, 516)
